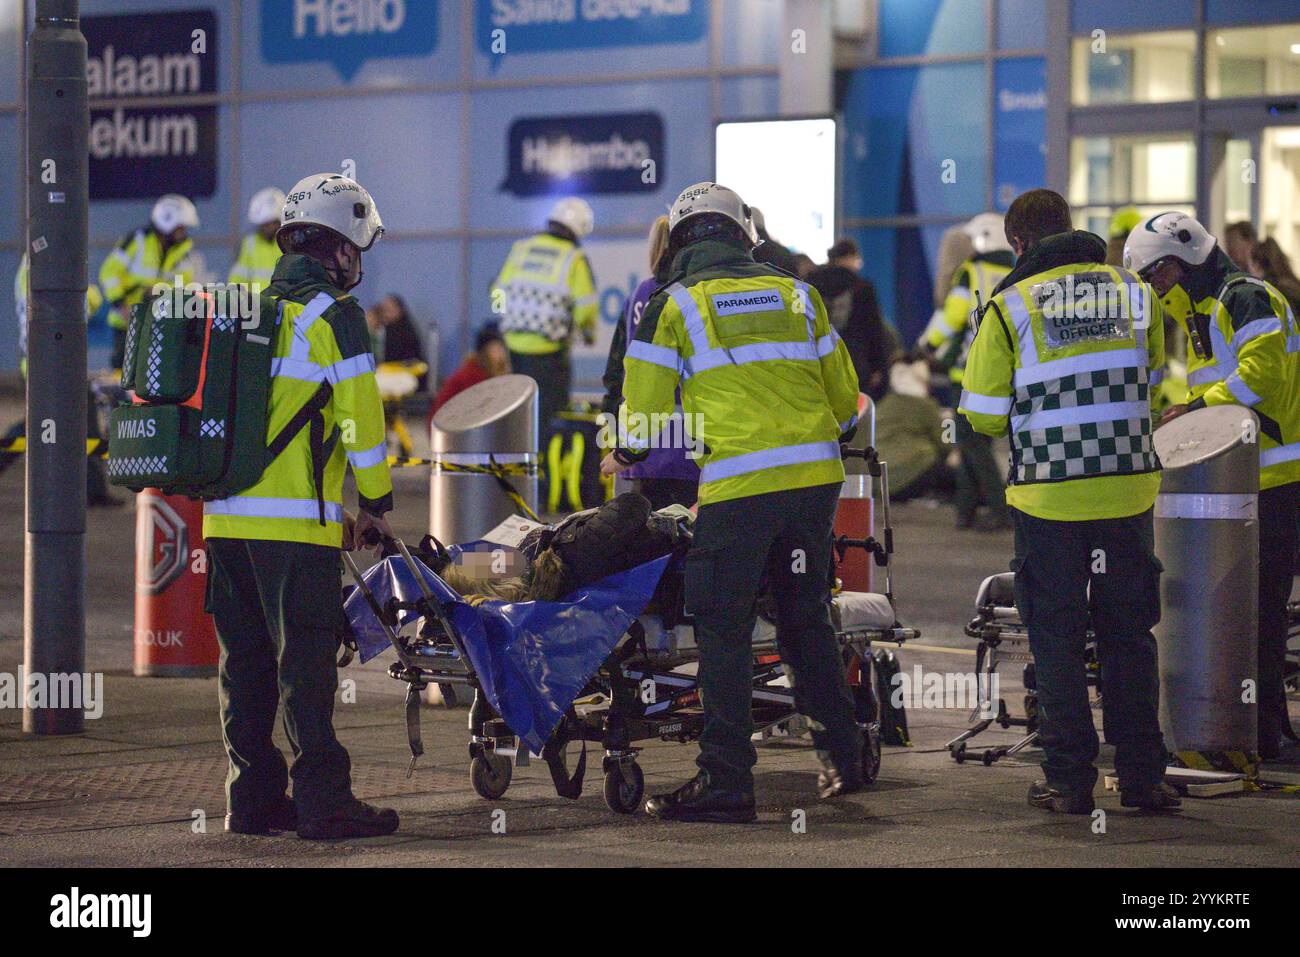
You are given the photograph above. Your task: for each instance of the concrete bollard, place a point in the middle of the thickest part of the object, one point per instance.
(494, 421)
(1207, 537)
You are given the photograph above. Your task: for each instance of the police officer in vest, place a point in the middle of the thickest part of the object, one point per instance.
(768, 389)
(946, 342)
(156, 253)
(274, 564)
(544, 294)
(259, 252)
(1062, 361)
(1245, 350)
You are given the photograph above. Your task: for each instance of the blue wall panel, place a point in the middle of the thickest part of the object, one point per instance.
(1089, 15)
(932, 27)
(906, 127)
(406, 150)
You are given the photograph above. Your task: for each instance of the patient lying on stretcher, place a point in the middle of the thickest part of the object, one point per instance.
(584, 548)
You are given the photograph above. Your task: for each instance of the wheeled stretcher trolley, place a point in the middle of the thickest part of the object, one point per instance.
(644, 688)
(1003, 637)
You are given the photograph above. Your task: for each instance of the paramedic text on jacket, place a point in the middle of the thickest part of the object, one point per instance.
(775, 390)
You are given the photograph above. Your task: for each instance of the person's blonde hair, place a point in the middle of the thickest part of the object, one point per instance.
(658, 240)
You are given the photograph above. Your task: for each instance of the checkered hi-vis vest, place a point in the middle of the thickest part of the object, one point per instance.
(535, 280)
(1080, 402)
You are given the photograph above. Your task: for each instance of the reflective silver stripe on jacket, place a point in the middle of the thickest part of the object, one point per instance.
(248, 506)
(769, 458)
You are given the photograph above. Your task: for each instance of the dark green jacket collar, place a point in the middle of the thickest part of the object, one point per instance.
(998, 257)
(1208, 278)
(296, 271)
(1063, 249)
(709, 254)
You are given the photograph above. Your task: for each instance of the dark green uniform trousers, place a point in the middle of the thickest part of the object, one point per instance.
(552, 373)
(277, 607)
(786, 535)
(1105, 572)
(979, 480)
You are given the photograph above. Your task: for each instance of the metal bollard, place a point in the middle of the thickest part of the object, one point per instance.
(492, 422)
(1207, 537)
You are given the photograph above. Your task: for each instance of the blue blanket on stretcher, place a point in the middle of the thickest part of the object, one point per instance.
(532, 658)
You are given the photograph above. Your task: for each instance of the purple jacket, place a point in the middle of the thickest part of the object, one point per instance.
(661, 463)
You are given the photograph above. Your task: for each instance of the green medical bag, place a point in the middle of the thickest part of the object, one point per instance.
(201, 379)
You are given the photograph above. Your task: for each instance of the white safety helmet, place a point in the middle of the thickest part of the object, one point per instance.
(987, 233)
(336, 202)
(171, 211)
(712, 198)
(265, 206)
(1165, 236)
(575, 215)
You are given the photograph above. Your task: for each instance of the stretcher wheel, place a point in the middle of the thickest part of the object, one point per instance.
(871, 754)
(490, 775)
(624, 787)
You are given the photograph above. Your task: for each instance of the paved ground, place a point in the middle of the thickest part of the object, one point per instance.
(129, 791)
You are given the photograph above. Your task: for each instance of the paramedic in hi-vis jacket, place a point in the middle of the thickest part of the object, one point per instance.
(274, 563)
(1245, 350)
(161, 252)
(544, 294)
(768, 393)
(1063, 361)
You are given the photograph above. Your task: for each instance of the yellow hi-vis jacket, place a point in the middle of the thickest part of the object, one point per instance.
(255, 264)
(767, 385)
(1244, 348)
(543, 293)
(94, 299)
(321, 338)
(973, 283)
(135, 265)
(1064, 356)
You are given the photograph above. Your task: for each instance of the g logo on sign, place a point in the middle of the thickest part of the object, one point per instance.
(162, 545)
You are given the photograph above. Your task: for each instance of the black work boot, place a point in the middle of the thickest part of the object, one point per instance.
(280, 816)
(1155, 797)
(698, 800)
(354, 819)
(839, 777)
(1048, 798)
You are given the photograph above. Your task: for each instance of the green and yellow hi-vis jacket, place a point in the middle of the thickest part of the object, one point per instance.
(1066, 356)
(94, 298)
(135, 265)
(321, 338)
(763, 375)
(1245, 350)
(547, 291)
(949, 332)
(256, 261)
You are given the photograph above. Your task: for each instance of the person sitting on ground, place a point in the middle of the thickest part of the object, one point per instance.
(394, 334)
(909, 434)
(489, 359)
